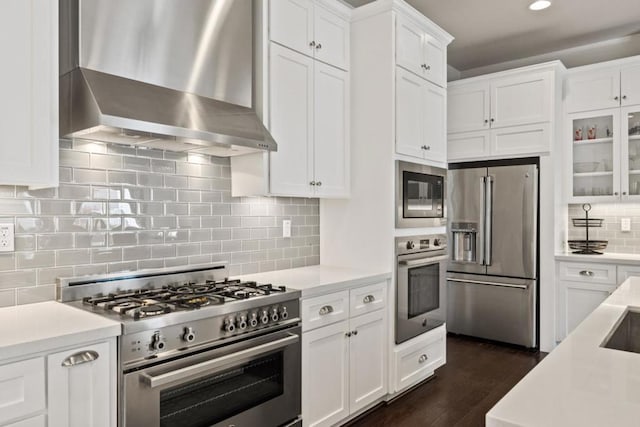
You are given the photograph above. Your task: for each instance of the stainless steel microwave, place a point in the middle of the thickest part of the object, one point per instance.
(420, 195)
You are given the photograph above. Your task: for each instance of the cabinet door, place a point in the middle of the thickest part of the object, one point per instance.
(81, 391)
(22, 387)
(592, 90)
(291, 122)
(435, 122)
(521, 140)
(468, 107)
(468, 145)
(291, 24)
(521, 100)
(29, 88)
(435, 55)
(630, 85)
(367, 359)
(630, 153)
(409, 114)
(594, 171)
(325, 375)
(626, 271)
(331, 38)
(576, 301)
(331, 135)
(409, 46)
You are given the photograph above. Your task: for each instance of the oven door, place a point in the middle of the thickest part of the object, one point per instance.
(421, 295)
(253, 382)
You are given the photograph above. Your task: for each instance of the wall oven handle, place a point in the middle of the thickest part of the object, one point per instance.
(418, 262)
(476, 282)
(162, 379)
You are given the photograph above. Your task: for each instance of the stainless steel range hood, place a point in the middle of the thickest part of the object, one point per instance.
(168, 74)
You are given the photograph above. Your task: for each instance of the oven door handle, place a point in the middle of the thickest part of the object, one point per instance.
(422, 261)
(159, 380)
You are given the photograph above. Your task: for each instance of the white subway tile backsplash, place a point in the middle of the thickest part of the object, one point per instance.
(612, 214)
(119, 208)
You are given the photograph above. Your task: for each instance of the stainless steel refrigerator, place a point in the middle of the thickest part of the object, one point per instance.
(493, 230)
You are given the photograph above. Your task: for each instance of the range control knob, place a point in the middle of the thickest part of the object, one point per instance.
(436, 242)
(253, 319)
(264, 317)
(274, 314)
(229, 326)
(410, 244)
(284, 314)
(188, 335)
(157, 342)
(242, 321)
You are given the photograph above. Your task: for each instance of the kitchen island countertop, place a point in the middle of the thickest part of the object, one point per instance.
(580, 383)
(319, 279)
(606, 257)
(34, 328)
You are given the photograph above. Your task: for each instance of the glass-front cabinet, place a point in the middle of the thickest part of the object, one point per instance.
(630, 120)
(595, 154)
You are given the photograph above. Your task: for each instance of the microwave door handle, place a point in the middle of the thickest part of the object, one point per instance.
(154, 381)
(488, 220)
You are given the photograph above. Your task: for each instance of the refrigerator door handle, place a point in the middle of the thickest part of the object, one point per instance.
(488, 224)
(483, 221)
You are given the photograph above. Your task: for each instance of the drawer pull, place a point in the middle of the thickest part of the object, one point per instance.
(80, 358)
(369, 299)
(423, 359)
(586, 273)
(327, 309)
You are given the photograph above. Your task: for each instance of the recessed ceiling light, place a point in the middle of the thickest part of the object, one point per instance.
(540, 4)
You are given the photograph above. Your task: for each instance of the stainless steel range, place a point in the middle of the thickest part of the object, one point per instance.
(198, 349)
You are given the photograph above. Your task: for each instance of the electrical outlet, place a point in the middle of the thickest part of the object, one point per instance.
(7, 237)
(625, 224)
(286, 228)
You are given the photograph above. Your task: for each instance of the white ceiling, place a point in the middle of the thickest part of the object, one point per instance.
(493, 31)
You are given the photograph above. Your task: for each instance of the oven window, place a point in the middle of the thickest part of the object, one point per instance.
(424, 289)
(423, 195)
(212, 399)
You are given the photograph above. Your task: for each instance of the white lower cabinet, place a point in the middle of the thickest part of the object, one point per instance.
(417, 359)
(80, 386)
(67, 388)
(344, 364)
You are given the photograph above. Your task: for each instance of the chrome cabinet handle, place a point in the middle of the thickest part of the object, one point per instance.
(312, 44)
(80, 358)
(615, 194)
(319, 46)
(493, 120)
(423, 359)
(486, 121)
(354, 332)
(624, 193)
(586, 273)
(348, 334)
(615, 98)
(624, 96)
(427, 67)
(312, 183)
(369, 299)
(319, 183)
(427, 147)
(327, 309)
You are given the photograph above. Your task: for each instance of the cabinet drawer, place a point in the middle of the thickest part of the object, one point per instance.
(588, 272)
(324, 310)
(367, 299)
(22, 389)
(418, 361)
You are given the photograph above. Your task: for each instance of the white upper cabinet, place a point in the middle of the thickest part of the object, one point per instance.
(598, 89)
(291, 121)
(29, 88)
(312, 29)
(331, 132)
(420, 118)
(503, 115)
(420, 52)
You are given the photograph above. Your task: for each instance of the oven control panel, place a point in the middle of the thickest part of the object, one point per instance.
(168, 340)
(414, 244)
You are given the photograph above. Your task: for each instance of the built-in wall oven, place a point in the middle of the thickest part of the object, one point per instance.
(421, 285)
(254, 382)
(420, 195)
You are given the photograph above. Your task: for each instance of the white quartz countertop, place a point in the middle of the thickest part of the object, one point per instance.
(580, 383)
(606, 257)
(34, 328)
(319, 279)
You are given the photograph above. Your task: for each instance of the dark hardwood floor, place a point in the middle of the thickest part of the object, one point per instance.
(476, 376)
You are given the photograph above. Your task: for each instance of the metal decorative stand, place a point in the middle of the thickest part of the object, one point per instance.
(587, 247)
